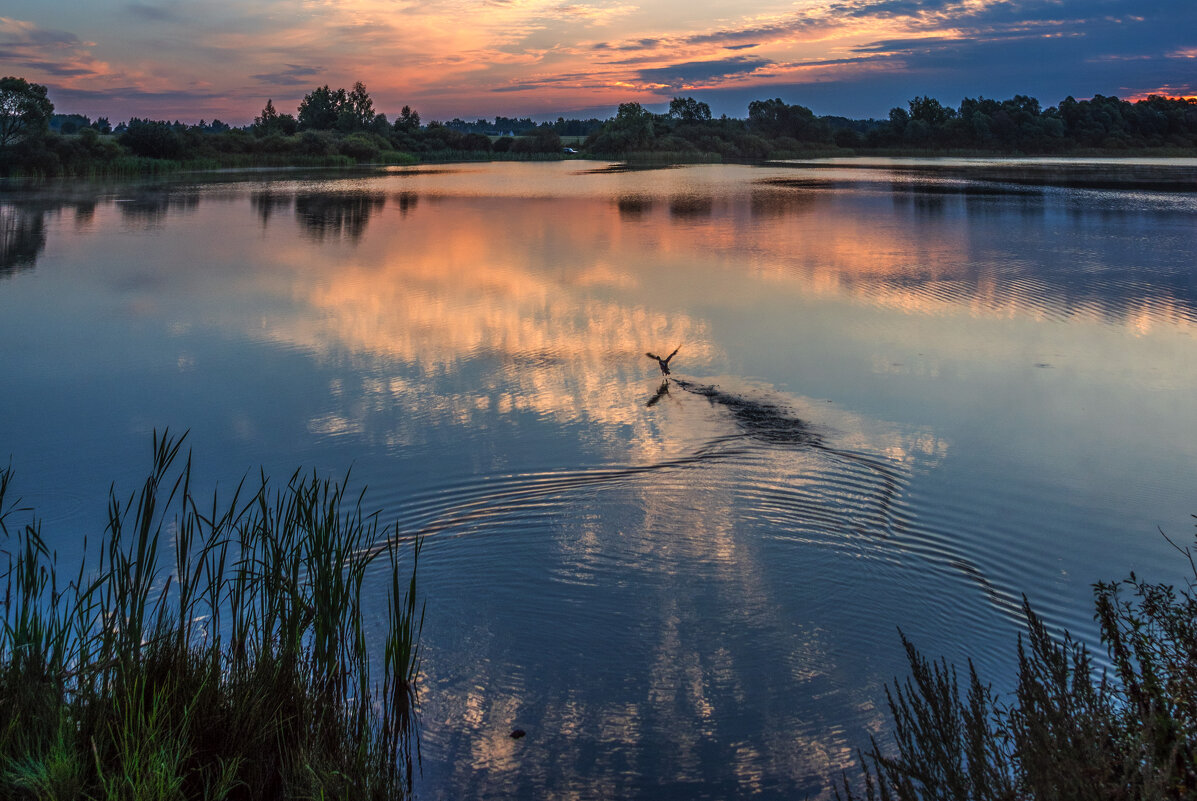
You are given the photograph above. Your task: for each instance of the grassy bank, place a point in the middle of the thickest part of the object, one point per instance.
(1069, 731)
(129, 166)
(210, 651)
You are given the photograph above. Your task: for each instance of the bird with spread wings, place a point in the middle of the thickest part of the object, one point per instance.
(664, 363)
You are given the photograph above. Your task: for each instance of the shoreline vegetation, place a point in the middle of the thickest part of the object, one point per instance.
(1070, 731)
(341, 128)
(238, 669)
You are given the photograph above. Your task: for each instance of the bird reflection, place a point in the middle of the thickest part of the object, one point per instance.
(664, 363)
(662, 391)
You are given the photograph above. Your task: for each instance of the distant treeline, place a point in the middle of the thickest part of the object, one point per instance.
(507, 126)
(339, 127)
(774, 128)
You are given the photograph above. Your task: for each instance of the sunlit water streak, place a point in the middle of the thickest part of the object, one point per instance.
(903, 397)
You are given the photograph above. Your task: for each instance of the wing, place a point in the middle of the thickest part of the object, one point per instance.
(670, 356)
(653, 356)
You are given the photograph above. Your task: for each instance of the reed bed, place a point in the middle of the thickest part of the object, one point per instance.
(211, 651)
(1069, 731)
(140, 166)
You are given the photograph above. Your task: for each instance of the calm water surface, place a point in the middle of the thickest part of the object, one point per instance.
(901, 399)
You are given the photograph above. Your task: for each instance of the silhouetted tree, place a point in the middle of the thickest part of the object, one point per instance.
(271, 122)
(687, 109)
(25, 110)
(513, 125)
(320, 109)
(776, 118)
(630, 129)
(930, 111)
(356, 111)
(479, 142)
(153, 139)
(408, 120)
(543, 140)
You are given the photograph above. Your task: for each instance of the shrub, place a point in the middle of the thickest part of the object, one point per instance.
(152, 139)
(360, 146)
(1069, 732)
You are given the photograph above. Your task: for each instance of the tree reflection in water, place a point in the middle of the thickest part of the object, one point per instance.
(22, 238)
(337, 215)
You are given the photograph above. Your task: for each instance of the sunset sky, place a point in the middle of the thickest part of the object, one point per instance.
(193, 59)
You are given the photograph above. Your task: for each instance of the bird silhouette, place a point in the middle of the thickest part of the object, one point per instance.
(664, 363)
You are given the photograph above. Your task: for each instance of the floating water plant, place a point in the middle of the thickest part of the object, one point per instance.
(214, 652)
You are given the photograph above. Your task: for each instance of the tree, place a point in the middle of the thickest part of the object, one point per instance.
(321, 108)
(158, 140)
(357, 110)
(25, 110)
(687, 109)
(930, 111)
(776, 118)
(632, 128)
(271, 122)
(542, 140)
(268, 117)
(324, 109)
(408, 121)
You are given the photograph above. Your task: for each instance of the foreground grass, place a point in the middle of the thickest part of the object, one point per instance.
(211, 652)
(1070, 731)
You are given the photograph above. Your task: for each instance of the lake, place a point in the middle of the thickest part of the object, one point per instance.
(905, 395)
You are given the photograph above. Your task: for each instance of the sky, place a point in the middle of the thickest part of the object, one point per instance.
(205, 59)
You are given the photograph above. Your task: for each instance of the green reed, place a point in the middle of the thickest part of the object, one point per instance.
(215, 652)
(1069, 731)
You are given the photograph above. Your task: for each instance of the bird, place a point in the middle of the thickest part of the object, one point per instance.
(664, 363)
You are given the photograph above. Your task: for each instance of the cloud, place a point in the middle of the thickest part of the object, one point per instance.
(119, 102)
(463, 56)
(682, 75)
(61, 70)
(632, 45)
(171, 98)
(783, 29)
(293, 75)
(889, 9)
(592, 14)
(752, 34)
(15, 33)
(27, 47)
(521, 87)
(152, 13)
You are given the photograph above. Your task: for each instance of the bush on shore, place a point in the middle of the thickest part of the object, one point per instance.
(1070, 731)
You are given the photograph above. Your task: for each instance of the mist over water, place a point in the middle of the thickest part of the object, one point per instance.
(902, 397)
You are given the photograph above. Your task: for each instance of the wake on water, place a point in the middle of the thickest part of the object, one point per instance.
(861, 498)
